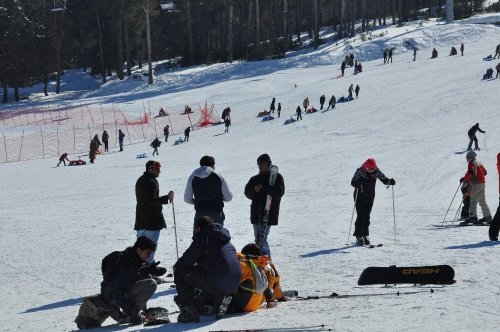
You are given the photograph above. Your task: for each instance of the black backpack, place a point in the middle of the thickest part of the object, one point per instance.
(110, 265)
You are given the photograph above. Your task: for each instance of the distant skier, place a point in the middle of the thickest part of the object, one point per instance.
(498, 70)
(227, 123)
(272, 108)
(389, 54)
(186, 134)
(166, 132)
(121, 136)
(495, 223)
(342, 68)
(322, 101)
(453, 51)
(299, 113)
(476, 175)
(472, 136)
(386, 53)
(306, 104)
(415, 53)
(279, 109)
(105, 139)
(434, 54)
(355, 67)
(357, 90)
(497, 52)
(364, 181)
(462, 49)
(351, 60)
(155, 144)
(331, 102)
(62, 159)
(350, 90)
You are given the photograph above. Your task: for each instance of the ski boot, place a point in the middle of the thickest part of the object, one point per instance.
(359, 241)
(470, 220)
(477, 149)
(493, 238)
(366, 240)
(188, 315)
(484, 220)
(221, 304)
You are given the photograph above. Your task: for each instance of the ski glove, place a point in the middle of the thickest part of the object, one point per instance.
(392, 182)
(461, 180)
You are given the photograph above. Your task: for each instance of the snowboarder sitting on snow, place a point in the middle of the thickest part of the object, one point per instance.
(364, 181)
(453, 51)
(476, 175)
(472, 136)
(434, 54)
(489, 74)
(155, 144)
(62, 159)
(127, 283)
(259, 281)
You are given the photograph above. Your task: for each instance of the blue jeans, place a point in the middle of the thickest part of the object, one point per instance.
(265, 244)
(153, 236)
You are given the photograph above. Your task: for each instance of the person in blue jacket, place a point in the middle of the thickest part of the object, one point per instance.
(209, 264)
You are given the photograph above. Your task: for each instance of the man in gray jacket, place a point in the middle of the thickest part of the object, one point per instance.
(207, 191)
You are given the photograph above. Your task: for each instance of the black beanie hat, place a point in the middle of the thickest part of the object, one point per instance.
(264, 157)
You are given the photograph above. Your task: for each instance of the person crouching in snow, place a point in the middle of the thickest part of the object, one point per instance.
(364, 181)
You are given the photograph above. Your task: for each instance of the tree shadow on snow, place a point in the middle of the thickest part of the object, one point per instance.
(60, 304)
(328, 251)
(483, 244)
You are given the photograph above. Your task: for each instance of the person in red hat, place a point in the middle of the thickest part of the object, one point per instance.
(364, 181)
(495, 223)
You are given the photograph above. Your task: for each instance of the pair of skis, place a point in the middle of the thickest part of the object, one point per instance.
(273, 174)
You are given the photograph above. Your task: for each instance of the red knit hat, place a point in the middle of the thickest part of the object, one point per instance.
(369, 165)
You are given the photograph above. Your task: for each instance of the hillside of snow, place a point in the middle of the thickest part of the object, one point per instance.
(412, 117)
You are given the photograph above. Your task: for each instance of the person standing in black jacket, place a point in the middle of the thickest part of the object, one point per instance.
(472, 136)
(209, 264)
(149, 220)
(257, 190)
(322, 101)
(364, 181)
(126, 286)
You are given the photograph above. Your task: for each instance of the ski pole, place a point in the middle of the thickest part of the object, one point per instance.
(352, 216)
(459, 185)
(175, 230)
(393, 212)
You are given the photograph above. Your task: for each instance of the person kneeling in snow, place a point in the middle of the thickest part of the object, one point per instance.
(260, 281)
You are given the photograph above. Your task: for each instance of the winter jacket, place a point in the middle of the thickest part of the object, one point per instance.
(259, 198)
(322, 99)
(357, 89)
(475, 173)
(498, 170)
(156, 143)
(186, 132)
(105, 137)
(121, 136)
(472, 131)
(63, 156)
(128, 274)
(148, 211)
(214, 254)
(209, 189)
(165, 131)
(364, 183)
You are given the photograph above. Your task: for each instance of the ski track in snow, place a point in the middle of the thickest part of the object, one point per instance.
(58, 223)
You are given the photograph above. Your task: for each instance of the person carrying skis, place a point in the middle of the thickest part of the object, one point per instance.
(476, 175)
(495, 223)
(186, 134)
(299, 113)
(322, 101)
(272, 108)
(472, 136)
(149, 220)
(357, 90)
(350, 90)
(364, 181)
(62, 159)
(207, 191)
(121, 136)
(105, 140)
(166, 132)
(257, 189)
(331, 102)
(155, 144)
(209, 264)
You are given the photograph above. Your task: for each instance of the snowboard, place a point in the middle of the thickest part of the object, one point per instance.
(273, 174)
(434, 274)
(156, 316)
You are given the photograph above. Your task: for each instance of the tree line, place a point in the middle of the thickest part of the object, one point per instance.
(39, 39)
